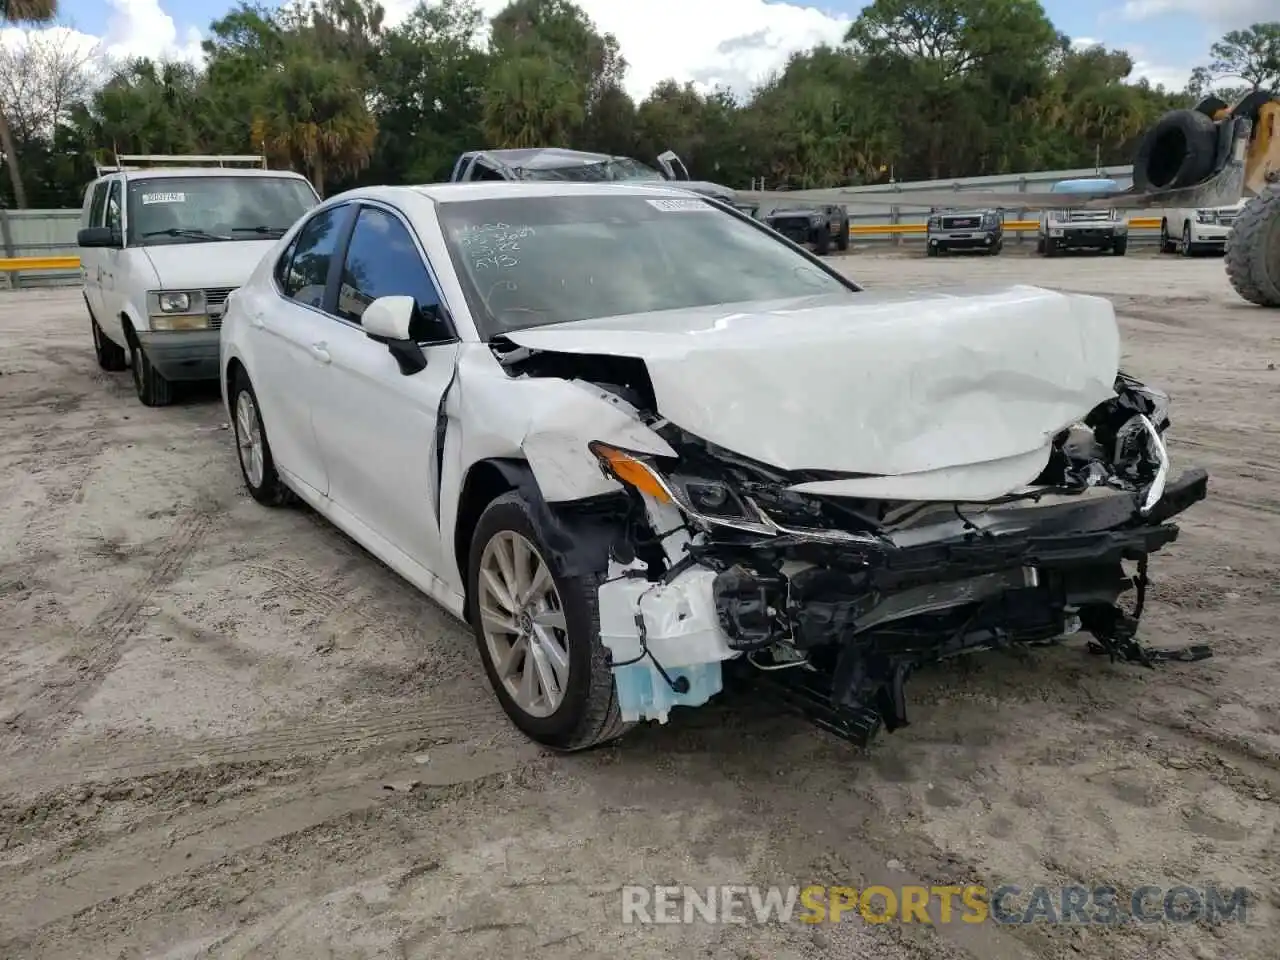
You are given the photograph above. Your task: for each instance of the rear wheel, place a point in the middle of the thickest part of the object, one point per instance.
(1253, 250)
(151, 386)
(842, 238)
(538, 630)
(822, 242)
(257, 466)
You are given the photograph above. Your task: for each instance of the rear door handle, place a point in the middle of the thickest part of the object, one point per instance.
(320, 352)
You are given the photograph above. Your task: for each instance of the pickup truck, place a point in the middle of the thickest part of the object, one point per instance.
(555, 163)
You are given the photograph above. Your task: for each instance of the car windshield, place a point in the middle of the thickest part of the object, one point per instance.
(532, 261)
(165, 210)
(612, 169)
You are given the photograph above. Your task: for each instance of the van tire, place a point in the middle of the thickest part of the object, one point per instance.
(152, 388)
(111, 356)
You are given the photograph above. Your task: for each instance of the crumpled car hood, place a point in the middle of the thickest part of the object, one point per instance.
(882, 384)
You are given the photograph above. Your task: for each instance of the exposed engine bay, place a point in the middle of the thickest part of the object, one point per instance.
(721, 561)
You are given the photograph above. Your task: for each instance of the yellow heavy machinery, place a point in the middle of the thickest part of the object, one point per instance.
(1208, 156)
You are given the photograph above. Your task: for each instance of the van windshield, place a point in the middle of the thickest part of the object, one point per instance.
(164, 210)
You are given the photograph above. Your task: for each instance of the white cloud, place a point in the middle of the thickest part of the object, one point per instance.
(735, 43)
(140, 28)
(1226, 14)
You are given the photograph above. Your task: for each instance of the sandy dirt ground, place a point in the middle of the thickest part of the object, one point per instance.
(226, 731)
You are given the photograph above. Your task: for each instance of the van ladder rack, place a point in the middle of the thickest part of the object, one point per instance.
(142, 161)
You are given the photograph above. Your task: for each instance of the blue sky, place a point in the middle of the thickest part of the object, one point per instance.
(1166, 37)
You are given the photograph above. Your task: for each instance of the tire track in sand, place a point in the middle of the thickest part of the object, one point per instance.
(100, 644)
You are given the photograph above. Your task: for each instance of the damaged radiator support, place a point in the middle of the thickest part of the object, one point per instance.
(863, 633)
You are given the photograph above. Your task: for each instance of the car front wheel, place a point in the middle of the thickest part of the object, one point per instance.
(257, 466)
(110, 355)
(151, 386)
(538, 630)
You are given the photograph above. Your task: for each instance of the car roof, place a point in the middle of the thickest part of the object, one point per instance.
(544, 158)
(498, 189)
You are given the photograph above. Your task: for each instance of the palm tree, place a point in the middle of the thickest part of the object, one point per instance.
(17, 12)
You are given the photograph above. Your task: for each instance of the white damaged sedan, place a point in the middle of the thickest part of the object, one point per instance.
(638, 440)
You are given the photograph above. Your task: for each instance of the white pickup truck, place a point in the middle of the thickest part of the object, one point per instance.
(1192, 231)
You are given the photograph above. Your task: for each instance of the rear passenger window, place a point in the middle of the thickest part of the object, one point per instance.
(309, 267)
(383, 261)
(281, 271)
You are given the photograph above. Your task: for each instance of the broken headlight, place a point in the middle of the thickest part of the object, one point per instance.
(708, 501)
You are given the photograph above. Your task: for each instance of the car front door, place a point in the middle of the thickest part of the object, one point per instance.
(111, 261)
(377, 427)
(91, 257)
(289, 332)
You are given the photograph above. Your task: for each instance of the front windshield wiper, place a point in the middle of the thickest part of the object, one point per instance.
(262, 230)
(184, 232)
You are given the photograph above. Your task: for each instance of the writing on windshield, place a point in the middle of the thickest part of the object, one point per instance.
(493, 246)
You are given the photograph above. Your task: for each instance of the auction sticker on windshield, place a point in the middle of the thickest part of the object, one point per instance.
(674, 206)
(163, 198)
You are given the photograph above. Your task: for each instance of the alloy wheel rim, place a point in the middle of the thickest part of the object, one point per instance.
(523, 623)
(249, 439)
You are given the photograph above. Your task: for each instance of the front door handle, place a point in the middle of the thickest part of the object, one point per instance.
(320, 352)
(256, 319)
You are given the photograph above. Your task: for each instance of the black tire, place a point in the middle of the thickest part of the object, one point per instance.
(1167, 243)
(1184, 246)
(589, 714)
(1040, 245)
(932, 249)
(271, 491)
(995, 248)
(1177, 152)
(1119, 247)
(842, 238)
(1210, 105)
(151, 386)
(1253, 250)
(822, 242)
(1050, 248)
(110, 355)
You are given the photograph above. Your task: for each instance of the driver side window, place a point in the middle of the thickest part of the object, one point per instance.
(482, 171)
(383, 261)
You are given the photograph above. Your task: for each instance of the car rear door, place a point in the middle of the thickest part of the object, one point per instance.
(288, 333)
(376, 426)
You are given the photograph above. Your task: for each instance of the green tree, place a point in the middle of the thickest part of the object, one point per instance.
(14, 13)
(313, 115)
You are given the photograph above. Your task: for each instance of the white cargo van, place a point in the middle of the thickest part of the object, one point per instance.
(161, 248)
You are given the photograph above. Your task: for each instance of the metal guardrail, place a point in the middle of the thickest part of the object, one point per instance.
(15, 264)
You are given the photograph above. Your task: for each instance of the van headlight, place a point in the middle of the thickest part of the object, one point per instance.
(177, 310)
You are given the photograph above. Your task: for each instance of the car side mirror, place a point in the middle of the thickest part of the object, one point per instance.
(98, 237)
(388, 320)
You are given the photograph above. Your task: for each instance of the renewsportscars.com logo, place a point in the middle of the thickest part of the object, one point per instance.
(1006, 904)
